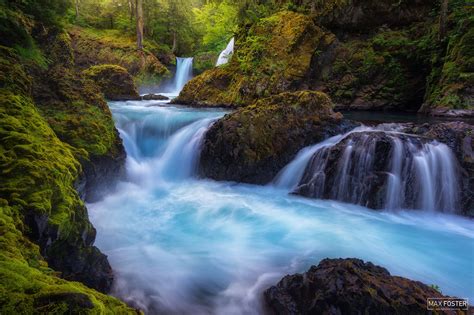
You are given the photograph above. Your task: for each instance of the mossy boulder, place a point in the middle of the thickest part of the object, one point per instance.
(271, 56)
(114, 81)
(348, 286)
(29, 286)
(94, 47)
(253, 143)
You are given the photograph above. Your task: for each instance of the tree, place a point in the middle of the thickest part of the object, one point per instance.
(443, 17)
(76, 2)
(139, 8)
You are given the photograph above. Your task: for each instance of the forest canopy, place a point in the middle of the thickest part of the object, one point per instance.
(185, 27)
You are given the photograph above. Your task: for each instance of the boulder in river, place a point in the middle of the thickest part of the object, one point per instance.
(154, 97)
(253, 143)
(348, 286)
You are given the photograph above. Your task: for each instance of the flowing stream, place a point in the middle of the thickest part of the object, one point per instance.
(183, 245)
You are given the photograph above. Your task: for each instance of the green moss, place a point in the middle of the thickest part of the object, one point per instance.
(272, 56)
(385, 70)
(38, 172)
(114, 81)
(28, 286)
(94, 47)
(204, 61)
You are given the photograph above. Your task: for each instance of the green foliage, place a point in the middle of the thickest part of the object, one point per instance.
(217, 21)
(452, 74)
(95, 47)
(273, 55)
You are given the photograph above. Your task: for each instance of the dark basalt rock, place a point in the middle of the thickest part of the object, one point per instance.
(76, 258)
(360, 169)
(101, 173)
(348, 286)
(253, 143)
(154, 97)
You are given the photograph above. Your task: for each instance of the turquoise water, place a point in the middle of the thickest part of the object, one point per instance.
(179, 244)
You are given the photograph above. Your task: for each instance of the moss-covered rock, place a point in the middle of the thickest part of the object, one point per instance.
(272, 56)
(114, 82)
(369, 55)
(94, 47)
(28, 286)
(451, 82)
(77, 112)
(383, 72)
(253, 143)
(43, 222)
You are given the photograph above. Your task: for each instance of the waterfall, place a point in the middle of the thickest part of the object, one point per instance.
(225, 55)
(182, 245)
(184, 73)
(379, 169)
(162, 143)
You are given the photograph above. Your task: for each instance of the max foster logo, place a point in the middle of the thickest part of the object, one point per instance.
(447, 304)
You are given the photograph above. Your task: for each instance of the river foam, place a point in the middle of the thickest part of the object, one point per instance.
(182, 245)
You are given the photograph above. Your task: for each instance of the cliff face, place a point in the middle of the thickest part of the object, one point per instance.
(379, 55)
(271, 57)
(53, 126)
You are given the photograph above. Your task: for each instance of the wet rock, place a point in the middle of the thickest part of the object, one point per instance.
(114, 81)
(348, 286)
(101, 174)
(154, 97)
(253, 143)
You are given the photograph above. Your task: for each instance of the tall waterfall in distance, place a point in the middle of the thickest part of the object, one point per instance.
(225, 55)
(184, 73)
(377, 168)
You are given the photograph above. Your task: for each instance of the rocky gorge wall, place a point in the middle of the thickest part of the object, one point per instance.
(55, 126)
(367, 55)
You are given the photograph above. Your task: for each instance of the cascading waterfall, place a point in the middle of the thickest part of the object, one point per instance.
(161, 142)
(377, 168)
(183, 245)
(225, 55)
(184, 73)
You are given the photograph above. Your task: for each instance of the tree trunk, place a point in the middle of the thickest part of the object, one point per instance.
(175, 43)
(443, 17)
(132, 10)
(139, 8)
(77, 9)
